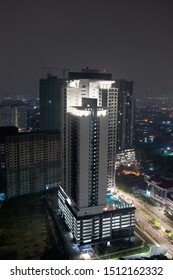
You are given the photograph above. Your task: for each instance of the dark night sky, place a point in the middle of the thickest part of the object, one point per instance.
(133, 39)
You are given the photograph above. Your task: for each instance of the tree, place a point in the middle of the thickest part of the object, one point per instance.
(171, 237)
(155, 222)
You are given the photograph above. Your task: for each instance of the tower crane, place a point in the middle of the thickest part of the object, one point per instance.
(48, 69)
(42, 63)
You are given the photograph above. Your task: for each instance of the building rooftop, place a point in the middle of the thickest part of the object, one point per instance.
(90, 74)
(161, 182)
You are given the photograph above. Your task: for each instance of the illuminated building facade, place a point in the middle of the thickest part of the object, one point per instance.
(88, 166)
(100, 86)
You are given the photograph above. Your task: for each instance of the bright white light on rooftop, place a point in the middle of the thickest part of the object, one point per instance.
(101, 113)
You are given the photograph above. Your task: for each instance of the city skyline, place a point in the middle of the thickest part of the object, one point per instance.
(130, 39)
(30, 163)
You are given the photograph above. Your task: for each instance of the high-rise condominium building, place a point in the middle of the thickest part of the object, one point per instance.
(50, 103)
(87, 84)
(29, 162)
(125, 115)
(89, 119)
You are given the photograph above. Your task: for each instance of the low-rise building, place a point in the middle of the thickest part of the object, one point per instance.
(159, 187)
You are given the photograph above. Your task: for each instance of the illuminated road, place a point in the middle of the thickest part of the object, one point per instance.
(144, 214)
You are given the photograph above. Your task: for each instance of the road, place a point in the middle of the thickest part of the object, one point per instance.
(144, 214)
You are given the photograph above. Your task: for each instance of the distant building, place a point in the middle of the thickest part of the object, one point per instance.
(13, 116)
(22, 118)
(33, 119)
(126, 158)
(50, 103)
(8, 116)
(29, 162)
